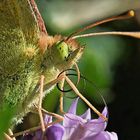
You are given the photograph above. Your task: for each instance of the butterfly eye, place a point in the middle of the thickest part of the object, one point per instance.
(62, 47)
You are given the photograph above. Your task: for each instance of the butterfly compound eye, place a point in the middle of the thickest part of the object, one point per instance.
(62, 47)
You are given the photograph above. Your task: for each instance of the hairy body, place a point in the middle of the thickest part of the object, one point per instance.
(25, 54)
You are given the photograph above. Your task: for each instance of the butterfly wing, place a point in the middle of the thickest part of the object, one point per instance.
(19, 35)
(18, 27)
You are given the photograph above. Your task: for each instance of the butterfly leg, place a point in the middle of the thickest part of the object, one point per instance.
(39, 107)
(58, 117)
(33, 129)
(46, 87)
(39, 110)
(61, 97)
(84, 99)
(7, 136)
(40, 103)
(11, 133)
(62, 85)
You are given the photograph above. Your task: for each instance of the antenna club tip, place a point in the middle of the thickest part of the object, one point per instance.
(131, 13)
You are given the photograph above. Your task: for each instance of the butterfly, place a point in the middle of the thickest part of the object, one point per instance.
(27, 52)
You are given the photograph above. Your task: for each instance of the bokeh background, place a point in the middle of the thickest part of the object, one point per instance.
(112, 63)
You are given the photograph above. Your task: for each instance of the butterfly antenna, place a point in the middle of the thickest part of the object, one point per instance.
(127, 15)
(131, 34)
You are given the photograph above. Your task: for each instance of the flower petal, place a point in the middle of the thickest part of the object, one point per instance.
(86, 115)
(105, 135)
(73, 106)
(105, 111)
(55, 132)
(38, 134)
(78, 128)
(70, 120)
(70, 123)
(47, 119)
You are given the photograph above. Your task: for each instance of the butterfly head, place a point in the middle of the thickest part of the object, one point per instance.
(61, 53)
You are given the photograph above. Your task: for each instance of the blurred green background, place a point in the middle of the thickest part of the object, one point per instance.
(110, 62)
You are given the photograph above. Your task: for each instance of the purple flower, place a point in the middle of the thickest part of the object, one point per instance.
(84, 128)
(54, 132)
(76, 127)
